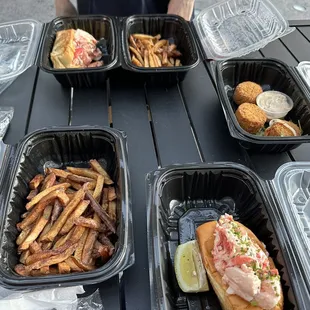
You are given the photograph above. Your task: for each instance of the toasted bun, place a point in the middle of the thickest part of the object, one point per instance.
(205, 238)
(63, 49)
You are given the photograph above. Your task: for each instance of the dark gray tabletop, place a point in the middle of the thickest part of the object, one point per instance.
(180, 124)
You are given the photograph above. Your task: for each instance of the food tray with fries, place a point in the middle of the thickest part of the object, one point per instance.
(67, 209)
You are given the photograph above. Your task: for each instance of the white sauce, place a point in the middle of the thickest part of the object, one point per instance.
(274, 101)
(273, 121)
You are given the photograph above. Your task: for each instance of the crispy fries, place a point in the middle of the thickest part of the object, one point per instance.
(148, 51)
(65, 229)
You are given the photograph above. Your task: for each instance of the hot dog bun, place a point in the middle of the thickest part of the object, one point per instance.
(205, 238)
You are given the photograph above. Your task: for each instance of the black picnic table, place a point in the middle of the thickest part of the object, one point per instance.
(180, 124)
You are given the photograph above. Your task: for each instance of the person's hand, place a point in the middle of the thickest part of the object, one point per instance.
(182, 8)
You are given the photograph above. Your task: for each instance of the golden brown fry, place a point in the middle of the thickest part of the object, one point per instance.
(171, 59)
(58, 172)
(137, 54)
(36, 230)
(171, 48)
(165, 58)
(22, 270)
(175, 53)
(73, 265)
(62, 240)
(111, 193)
(158, 61)
(157, 37)
(85, 267)
(24, 215)
(36, 181)
(24, 256)
(105, 200)
(79, 250)
(89, 223)
(44, 231)
(75, 185)
(98, 168)
(32, 194)
(146, 58)
(63, 268)
(50, 236)
(45, 270)
(136, 62)
(41, 272)
(112, 210)
(41, 195)
(133, 42)
(159, 44)
(98, 188)
(84, 172)
(177, 62)
(106, 241)
(47, 246)
(23, 235)
(100, 250)
(49, 181)
(89, 243)
(141, 36)
(79, 179)
(151, 60)
(75, 214)
(34, 247)
(57, 209)
(148, 44)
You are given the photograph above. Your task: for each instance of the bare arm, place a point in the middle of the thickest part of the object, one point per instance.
(182, 8)
(65, 8)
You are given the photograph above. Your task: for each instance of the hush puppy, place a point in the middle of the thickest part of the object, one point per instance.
(247, 92)
(281, 128)
(250, 117)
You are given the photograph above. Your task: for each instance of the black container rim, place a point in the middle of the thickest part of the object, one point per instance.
(154, 178)
(125, 50)
(103, 68)
(239, 132)
(122, 259)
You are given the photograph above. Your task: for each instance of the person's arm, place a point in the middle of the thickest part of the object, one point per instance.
(65, 8)
(182, 8)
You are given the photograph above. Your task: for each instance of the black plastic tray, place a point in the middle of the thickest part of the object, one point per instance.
(171, 27)
(59, 147)
(180, 198)
(271, 74)
(99, 26)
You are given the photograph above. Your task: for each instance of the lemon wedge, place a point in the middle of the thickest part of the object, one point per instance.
(189, 268)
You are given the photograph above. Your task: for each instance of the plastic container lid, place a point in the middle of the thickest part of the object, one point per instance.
(304, 70)
(235, 28)
(18, 47)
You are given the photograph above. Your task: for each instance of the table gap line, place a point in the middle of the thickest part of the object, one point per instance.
(289, 50)
(150, 119)
(122, 295)
(109, 103)
(262, 54)
(32, 100)
(71, 107)
(193, 131)
(303, 34)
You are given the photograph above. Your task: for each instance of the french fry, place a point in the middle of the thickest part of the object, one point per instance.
(36, 181)
(100, 212)
(50, 236)
(83, 266)
(57, 209)
(63, 268)
(140, 36)
(22, 270)
(106, 241)
(73, 265)
(165, 58)
(151, 60)
(32, 194)
(79, 179)
(171, 59)
(111, 193)
(48, 181)
(63, 239)
(41, 272)
(98, 168)
(112, 210)
(36, 230)
(136, 62)
(24, 256)
(137, 54)
(75, 185)
(158, 61)
(177, 62)
(79, 250)
(47, 246)
(146, 58)
(170, 64)
(24, 215)
(45, 270)
(98, 188)
(105, 200)
(45, 230)
(159, 44)
(90, 241)
(82, 206)
(171, 48)
(23, 235)
(58, 172)
(157, 37)
(89, 223)
(100, 251)
(34, 247)
(133, 42)
(41, 195)
(84, 172)
(175, 53)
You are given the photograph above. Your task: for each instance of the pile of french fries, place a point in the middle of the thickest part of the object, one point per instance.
(153, 52)
(70, 217)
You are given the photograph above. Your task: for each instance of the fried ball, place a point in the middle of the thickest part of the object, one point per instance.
(250, 117)
(247, 92)
(282, 128)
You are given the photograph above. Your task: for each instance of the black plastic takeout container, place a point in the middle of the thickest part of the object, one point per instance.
(59, 147)
(99, 26)
(271, 74)
(171, 27)
(182, 197)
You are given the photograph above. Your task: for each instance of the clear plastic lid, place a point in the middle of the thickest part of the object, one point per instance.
(304, 70)
(292, 184)
(235, 28)
(18, 47)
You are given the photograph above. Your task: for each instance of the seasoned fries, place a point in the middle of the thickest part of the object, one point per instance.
(68, 221)
(148, 51)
